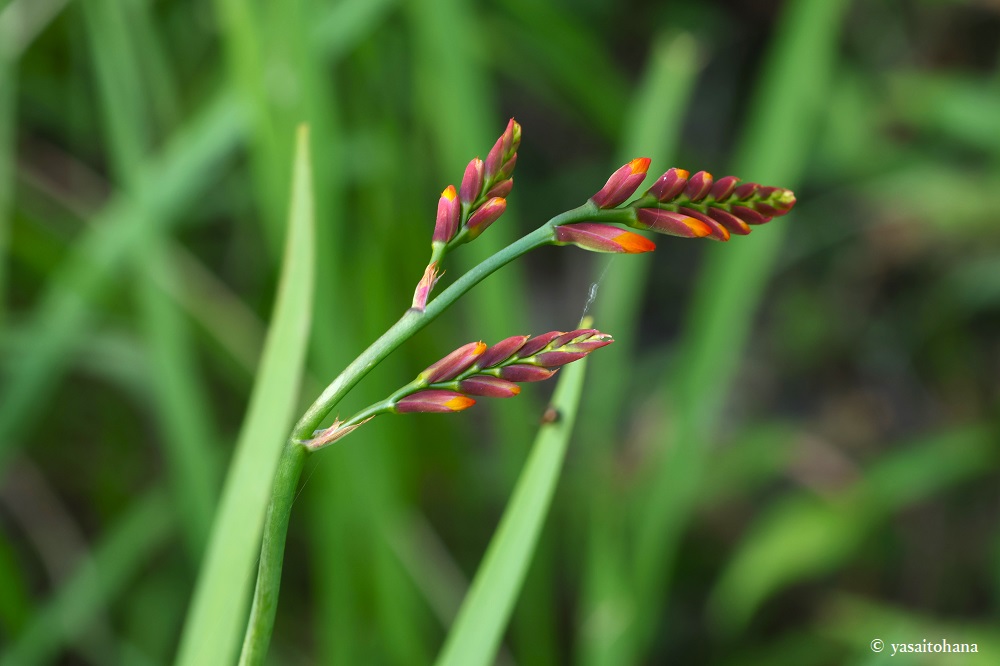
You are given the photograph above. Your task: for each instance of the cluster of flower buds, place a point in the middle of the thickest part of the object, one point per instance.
(465, 213)
(677, 204)
(477, 370)
(698, 206)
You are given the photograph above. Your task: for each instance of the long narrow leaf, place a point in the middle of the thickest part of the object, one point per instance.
(477, 631)
(654, 123)
(170, 182)
(116, 559)
(217, 612)
(774, 149)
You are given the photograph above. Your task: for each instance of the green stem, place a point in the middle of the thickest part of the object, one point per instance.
(414, 320)
(265, 600)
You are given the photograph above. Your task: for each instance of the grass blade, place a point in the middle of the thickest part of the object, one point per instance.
(216, 616)
(116, 559)
(775, 148)
(654, 125)
(8, 118)
(801, 536)
(170, 183)
(181, 403)
(477, 631)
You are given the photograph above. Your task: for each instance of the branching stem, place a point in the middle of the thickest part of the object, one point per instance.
(265, 602)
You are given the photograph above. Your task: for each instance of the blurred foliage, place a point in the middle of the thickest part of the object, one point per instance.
(791, 450)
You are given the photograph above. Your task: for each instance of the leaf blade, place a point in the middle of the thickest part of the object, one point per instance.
(212, 628)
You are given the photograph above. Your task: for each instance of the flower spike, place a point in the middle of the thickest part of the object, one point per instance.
(622, 184)
(701, 206)
(476, 370)
(602, 238)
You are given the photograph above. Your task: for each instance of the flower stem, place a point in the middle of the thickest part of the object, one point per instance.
(265, 600)
(413, 320)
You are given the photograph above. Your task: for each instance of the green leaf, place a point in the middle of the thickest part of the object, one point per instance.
(217, 614)
(803, 536)
(475, 636)
(116, 560)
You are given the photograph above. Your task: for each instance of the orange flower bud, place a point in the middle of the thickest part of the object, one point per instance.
(448, 216)
(434, 401)
(472, 182)
(485, 215)
(453, 364)
(622, 184)
(602, 238)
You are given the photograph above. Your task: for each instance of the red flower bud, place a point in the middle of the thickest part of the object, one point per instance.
(784, 200)
(472, 182)
(508, 167)
(622, 184)
(745, 191)
(501, 351)
(489, 387)
(453, 364)
(602, 238)
(723, 187)
(674, 224)
(525, 373)
(588, 345)
(537, 344)
(503, 150)
(729, 221)
(578, 334)
(448, 216)
(749, 215)
(485, 215)
(554, 359)
(434, 401)
(501, 189)
(767, 210)
(669, 185)
(719, 232)
(698, 186)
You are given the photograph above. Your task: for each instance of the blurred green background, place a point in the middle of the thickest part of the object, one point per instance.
(790, 451)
